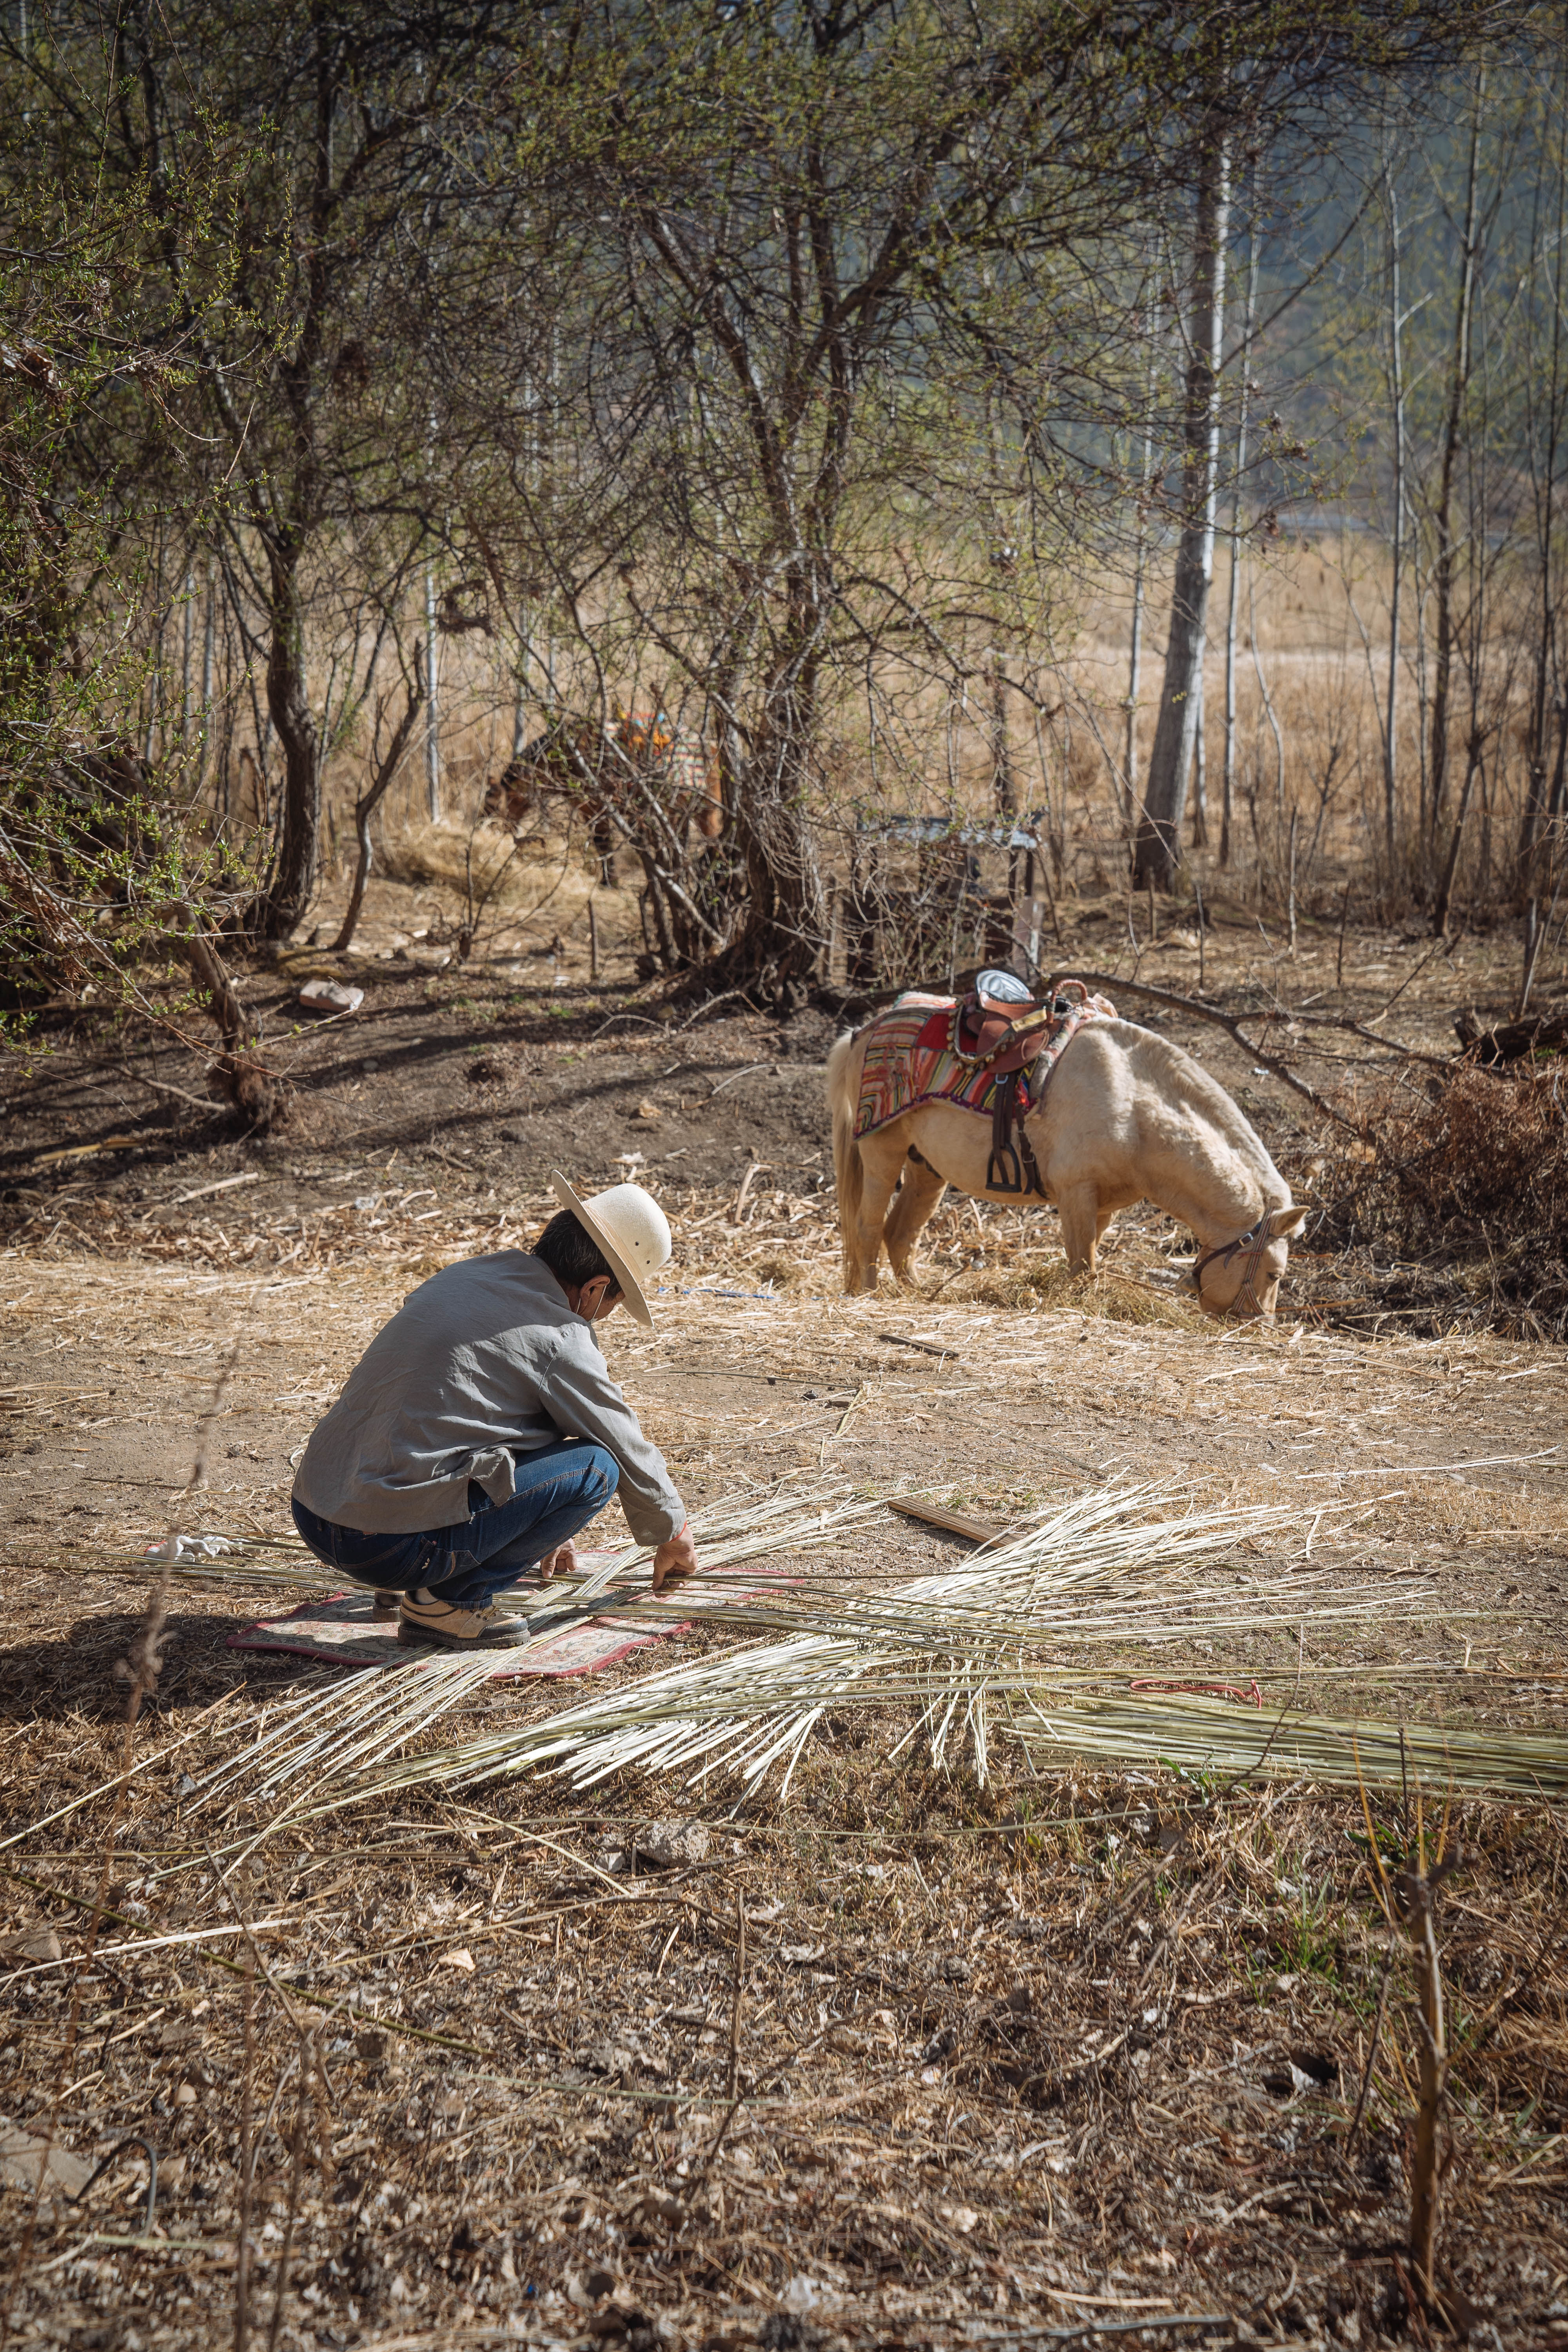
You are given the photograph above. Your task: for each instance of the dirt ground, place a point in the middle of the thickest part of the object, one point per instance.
(1053, 2056)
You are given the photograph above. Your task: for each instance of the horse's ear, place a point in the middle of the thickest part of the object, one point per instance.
(1285, 1223)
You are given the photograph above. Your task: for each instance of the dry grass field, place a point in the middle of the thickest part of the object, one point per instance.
(1077, 2047)
(1311, 683)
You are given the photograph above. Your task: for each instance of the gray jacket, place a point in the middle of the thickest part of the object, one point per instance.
(481, 1363)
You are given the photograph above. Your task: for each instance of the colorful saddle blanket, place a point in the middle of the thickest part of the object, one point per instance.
(935, 1049)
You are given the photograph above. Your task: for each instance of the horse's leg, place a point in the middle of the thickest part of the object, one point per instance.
(880, 1161)
(604, 844)
(1082, 1224)
(917, 1197)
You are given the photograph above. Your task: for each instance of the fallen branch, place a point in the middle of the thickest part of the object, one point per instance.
(1231, 1023)
(1511, 1041)
(162, 1086)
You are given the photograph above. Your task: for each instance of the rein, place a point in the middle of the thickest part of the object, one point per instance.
(1254, 1241)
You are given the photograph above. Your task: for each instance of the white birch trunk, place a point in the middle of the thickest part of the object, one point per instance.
(1158, 841)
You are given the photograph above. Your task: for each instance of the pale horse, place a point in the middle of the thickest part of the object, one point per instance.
(1126, 1116)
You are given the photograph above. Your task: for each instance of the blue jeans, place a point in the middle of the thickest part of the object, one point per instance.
(556, 1491)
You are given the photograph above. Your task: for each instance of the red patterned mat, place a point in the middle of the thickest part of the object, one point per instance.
(345, 1631)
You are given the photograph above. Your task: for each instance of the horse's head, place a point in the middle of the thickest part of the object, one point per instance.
(514, 793)
(1242, 1277)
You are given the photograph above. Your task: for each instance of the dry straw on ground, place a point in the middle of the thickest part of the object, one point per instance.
(760, 1236)
(1072, 2052)
(997, 2058)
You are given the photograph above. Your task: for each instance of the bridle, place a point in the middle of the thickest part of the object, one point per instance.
(1254, 1241)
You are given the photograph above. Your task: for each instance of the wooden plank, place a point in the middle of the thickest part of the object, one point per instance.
(952, 1523)
(926, 1346)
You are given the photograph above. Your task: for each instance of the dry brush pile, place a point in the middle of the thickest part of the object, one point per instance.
(1464, 1186)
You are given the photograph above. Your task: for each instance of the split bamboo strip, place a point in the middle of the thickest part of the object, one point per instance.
(970, 1649)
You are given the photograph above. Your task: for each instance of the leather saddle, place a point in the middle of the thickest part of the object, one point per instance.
(1006, 1032)
(1005, 1035)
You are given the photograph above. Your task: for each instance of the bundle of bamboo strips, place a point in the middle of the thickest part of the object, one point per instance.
(346, 1733)
(735, 1529)
(1201, 1735)
(976, 1652)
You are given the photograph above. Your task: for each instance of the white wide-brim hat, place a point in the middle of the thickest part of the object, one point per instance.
(630, 1228)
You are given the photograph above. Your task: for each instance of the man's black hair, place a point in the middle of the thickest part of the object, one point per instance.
(572, 1254)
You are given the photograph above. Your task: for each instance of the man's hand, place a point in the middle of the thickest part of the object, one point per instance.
(562, 1561)
(674, 1559)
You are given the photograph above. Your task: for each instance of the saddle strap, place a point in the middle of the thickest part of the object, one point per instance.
(1012, 1166)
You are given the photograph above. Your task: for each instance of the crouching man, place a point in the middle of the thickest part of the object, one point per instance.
(480, 1430)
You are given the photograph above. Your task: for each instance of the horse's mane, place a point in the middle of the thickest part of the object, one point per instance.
(1201, 1086)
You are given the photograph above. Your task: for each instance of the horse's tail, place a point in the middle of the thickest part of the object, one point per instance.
(848, 1169)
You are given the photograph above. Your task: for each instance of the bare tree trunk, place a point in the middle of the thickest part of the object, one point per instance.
(1159, 840)
(1003, 787)
(786, 917)
(1003, 558)
(209, 631)
(785, 928)
(1442, 567)
(1140, 573)
(1444, 897)
(344, 939)
(1546, 701)
(433, 726)
(1002, 780)
(1135, 664)
(187, 628)
(653, 898)
(288, 707)
(1228, 792)
(1396, 385)
(1557, 806)
(382, 772)
(1200, 776)
(253, 1090)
